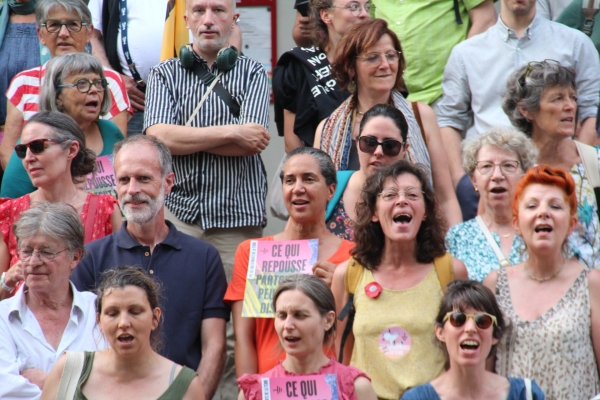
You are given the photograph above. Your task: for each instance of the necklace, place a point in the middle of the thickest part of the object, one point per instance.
(505, 235)
(69, 203)
(547, 278)
(360, 112)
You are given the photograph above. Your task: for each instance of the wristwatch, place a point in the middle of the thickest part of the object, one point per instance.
(3, 285)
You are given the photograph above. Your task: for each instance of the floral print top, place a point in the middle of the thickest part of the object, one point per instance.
(340, 223)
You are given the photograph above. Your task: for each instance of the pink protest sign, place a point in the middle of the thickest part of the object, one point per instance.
(269, 263)
(306, 387)
(104, 181)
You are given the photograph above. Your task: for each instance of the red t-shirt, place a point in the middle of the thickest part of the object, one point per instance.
(267, 350)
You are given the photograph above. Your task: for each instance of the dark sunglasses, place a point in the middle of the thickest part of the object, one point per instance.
(390, 147)
(36, 146)
(459, 318)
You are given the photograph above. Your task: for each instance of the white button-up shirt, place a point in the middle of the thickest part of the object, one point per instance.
(23, 345)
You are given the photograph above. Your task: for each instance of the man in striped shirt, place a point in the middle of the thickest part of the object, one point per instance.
(220, 183)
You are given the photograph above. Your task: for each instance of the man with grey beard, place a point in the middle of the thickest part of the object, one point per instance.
(190, 271)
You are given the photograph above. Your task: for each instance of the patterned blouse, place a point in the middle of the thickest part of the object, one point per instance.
(467, 242)
(340, 224)
(555, 349)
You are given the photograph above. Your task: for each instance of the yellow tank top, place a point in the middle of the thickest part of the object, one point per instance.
(394, 335)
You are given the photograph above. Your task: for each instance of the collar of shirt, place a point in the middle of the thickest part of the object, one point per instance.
(508, 33)
(125, 241)
(19, 308)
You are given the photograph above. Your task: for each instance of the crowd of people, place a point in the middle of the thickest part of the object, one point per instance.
(440, 160)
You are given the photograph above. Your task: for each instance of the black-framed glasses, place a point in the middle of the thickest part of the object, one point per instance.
(44, 255)
(390, 147)
(534, 65)
(374, 59)
(35, 146)
(55, 25)
(508, 167)
(459, 318)
(83, 85)
(410, 194)
(355, 8)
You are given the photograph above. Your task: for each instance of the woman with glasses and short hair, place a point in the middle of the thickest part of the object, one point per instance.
(495, 162)
(468, 327)
(74, 84)
(551, 300)
(54, 154)
(397, 274)
(540, 100)
(369, 64)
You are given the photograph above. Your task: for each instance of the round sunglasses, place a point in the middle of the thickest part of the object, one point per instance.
(35, 146)
(390, 147)
(459, 318)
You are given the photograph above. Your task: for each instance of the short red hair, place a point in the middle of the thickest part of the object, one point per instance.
(545, 175)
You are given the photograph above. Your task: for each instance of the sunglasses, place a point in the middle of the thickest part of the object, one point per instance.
(390, 147)
(35, 146)
(459, 318)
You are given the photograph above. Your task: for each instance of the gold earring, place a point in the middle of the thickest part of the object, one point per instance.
(352, 86)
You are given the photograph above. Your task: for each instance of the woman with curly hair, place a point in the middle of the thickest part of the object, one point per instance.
(400, 266)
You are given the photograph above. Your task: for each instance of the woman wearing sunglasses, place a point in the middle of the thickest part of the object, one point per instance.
(55, 156)
(495, 162)
(369, 65)
(540, 100)
(75, 84)
(551, 300)
(397, 274)
(468, 326)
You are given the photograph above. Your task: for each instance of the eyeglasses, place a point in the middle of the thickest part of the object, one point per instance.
(83, 85)
(410, 194)
(536, 64)
(459, 318)
(390, 147)
(55, 25)
(43, 255)
(374, 59)
(35, 146)
(506, 167)
(356, 7)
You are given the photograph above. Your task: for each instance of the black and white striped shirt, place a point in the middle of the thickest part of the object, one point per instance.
(215, 191)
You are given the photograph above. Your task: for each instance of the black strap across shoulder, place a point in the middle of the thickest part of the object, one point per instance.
(207, 77)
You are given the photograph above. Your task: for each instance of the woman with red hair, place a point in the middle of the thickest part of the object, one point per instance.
(551, 300)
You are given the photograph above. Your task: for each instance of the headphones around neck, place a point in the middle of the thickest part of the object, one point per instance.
(226, 57)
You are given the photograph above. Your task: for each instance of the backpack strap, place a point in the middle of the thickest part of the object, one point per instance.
(589, 9)
(589, 159)
(354, 271)
(444, 267)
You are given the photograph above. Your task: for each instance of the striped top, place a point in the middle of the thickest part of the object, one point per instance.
(214, 191)
(24, 92)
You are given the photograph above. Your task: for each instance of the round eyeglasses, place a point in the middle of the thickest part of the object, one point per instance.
(356, 7)
(83, 85)
(410, 194)
(506, 167)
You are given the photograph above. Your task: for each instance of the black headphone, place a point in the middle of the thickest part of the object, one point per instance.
(226, 57)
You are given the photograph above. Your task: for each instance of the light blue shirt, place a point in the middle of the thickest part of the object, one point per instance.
(23, 345)
(478, 69)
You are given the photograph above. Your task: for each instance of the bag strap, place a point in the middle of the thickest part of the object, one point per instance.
(589, 9)
(415, 108)
(486, 232)
(354, 271)
(207, 77)
(528, 393)
(444, 267)
(70, 375)
(91, 217)
(589, 159)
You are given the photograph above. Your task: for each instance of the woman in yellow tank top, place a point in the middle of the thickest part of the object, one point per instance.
(399, 236)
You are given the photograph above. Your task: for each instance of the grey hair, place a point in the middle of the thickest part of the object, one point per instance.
(527, 92)
(326, 166)
(164, 154)
(314, 288)
(56, 221)
(59, 69)
(233, 5)
(506, 138)
(65, 128)
(79, 7)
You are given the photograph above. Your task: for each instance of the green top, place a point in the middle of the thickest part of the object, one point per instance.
(573, 17)
(16, 182)
(175, 391)
(428, 31)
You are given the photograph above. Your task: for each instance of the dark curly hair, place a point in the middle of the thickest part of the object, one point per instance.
(369, 236)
